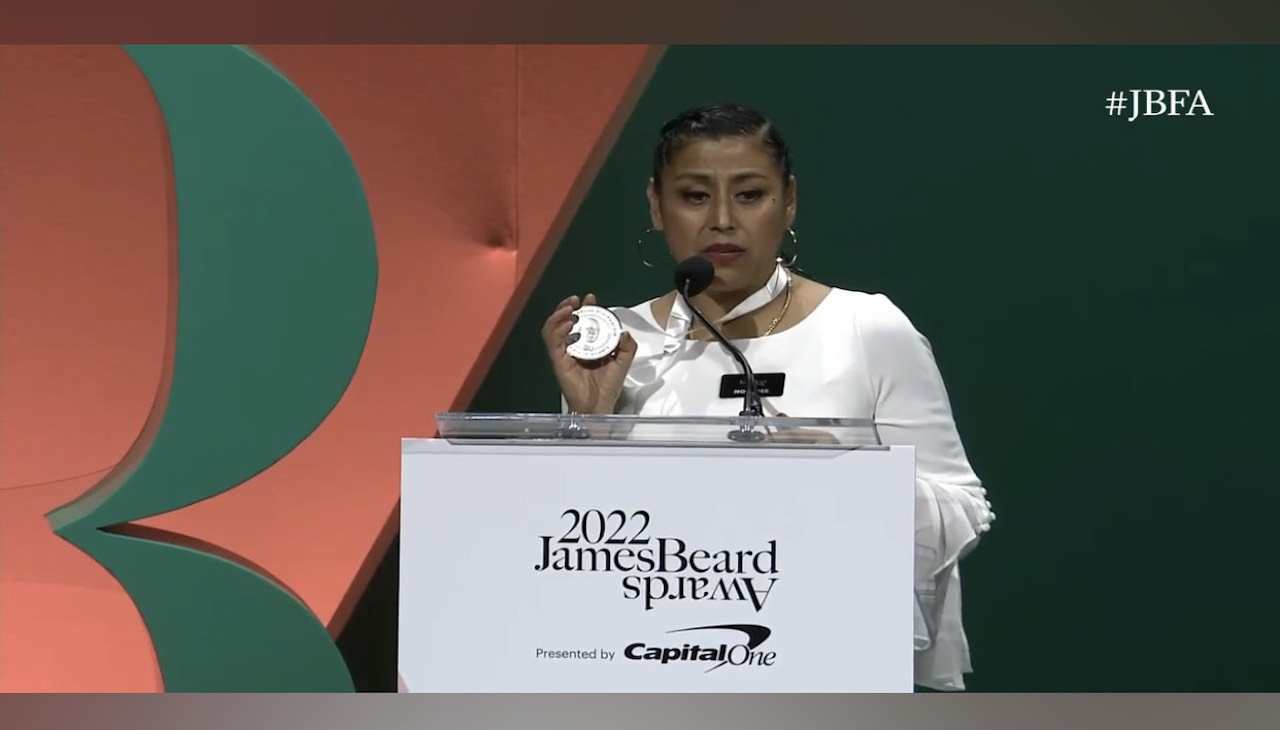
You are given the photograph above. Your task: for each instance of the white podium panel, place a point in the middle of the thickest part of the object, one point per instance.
(565, 568)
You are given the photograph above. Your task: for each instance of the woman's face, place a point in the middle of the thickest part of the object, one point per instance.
(725, 199)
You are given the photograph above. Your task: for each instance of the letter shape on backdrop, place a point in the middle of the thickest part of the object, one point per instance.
(274, 272)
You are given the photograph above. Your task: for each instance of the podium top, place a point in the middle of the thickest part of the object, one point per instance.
(624, 430)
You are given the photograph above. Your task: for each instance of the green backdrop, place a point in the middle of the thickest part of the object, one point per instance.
(1095, 291)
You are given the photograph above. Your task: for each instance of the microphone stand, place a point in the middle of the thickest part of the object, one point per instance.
(751, 406)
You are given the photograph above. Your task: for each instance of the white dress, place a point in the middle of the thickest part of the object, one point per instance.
(855, 356)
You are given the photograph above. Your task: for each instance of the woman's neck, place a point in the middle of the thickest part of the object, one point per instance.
(716, 304)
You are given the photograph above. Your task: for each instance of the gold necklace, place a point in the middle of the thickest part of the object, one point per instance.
(786, 303)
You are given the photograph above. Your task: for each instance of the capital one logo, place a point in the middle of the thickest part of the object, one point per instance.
(739, 648)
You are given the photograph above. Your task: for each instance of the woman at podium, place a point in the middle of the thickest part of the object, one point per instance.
(722, 191)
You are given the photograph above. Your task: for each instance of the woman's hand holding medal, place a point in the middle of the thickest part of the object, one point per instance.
(590, 354)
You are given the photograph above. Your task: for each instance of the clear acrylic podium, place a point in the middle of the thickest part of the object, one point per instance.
(571, 553)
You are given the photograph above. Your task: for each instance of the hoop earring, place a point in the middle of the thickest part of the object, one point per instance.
(795, 251)
(640, 250)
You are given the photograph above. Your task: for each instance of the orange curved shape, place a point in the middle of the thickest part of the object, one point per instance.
(468, 155)
(83, 292)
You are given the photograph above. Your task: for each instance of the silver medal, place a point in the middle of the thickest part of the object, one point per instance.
(599, 333)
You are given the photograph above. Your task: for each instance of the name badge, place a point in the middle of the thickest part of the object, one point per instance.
(767, 385)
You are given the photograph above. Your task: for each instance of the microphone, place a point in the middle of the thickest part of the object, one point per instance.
(692, 277)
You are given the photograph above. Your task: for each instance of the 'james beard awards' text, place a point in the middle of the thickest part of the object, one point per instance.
(662, 568)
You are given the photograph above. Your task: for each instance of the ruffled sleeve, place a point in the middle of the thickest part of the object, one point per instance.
(912, 409)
